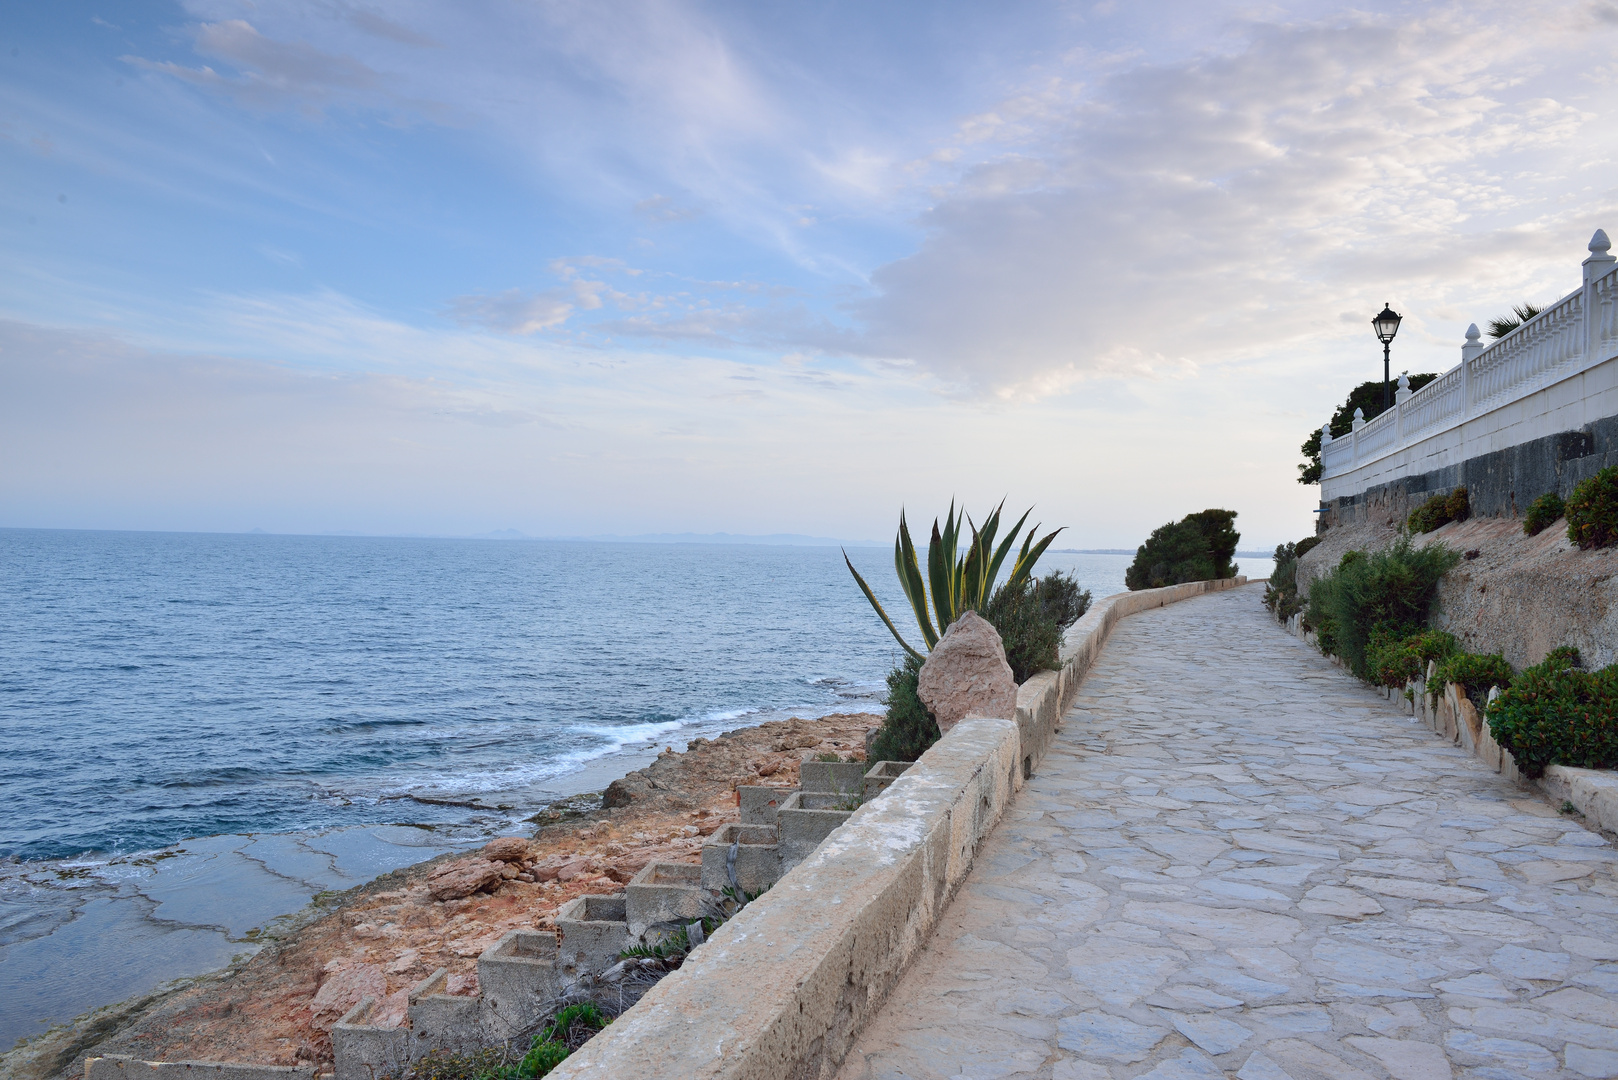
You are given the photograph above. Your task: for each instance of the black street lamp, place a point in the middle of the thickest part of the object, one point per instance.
(1387, 324)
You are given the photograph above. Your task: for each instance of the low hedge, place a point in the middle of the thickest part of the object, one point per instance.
(1592, 510)
(1395, 661)
(1542, 513)
(1440, 510)
(1557, 714)
(1477, 673)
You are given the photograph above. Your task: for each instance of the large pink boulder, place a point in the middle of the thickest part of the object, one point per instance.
(463, 877)
(967, 675)
(506, 849)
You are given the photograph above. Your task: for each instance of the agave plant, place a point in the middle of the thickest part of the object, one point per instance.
(960, 582)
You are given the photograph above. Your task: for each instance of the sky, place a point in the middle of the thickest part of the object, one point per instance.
(573, 268)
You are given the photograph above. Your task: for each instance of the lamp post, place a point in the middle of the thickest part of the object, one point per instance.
(1386, 324)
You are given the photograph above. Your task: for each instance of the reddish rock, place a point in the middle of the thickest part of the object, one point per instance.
(343, 989)
(507, 849)
(572, 869)
(463, 878)
(967, 675)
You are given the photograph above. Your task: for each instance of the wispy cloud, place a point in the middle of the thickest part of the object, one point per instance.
(1171, 215)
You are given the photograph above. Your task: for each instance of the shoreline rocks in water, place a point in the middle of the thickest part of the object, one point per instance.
(382, 938)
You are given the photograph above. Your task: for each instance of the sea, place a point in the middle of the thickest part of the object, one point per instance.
(201, 732)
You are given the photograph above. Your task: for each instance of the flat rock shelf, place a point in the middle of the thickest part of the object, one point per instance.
(1237, 860)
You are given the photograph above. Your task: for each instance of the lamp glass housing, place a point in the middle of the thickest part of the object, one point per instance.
(1387, 324)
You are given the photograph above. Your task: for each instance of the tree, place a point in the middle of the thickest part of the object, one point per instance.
(1199, 547)
(1367, 396)
(1505, 324)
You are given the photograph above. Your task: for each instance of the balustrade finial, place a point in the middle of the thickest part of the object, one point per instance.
(1472, 334)
(1359, 414)
(1404, 380)
(1325, 433)
(1599, 244)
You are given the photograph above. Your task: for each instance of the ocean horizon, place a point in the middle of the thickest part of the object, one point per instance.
(199, 731)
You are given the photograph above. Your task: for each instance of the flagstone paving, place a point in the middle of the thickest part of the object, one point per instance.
(1239, 861)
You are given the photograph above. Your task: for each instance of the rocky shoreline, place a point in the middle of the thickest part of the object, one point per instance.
(277, 1007)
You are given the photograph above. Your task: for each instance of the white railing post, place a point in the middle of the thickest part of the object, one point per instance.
(1595, 268)
(1469, 353)
(1359, 422)
(1399, 397)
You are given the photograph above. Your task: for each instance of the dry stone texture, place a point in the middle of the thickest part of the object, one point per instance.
(463, 877)
(1237, 861)
(967, 675)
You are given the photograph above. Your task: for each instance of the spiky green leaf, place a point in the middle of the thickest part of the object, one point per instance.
(875, 603)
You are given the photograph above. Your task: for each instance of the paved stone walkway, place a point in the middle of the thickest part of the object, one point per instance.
(1239, 861)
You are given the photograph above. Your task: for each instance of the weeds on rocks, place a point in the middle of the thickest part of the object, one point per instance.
(1440, 510)
(1542, 513)
(1592, 510)
(1396, 661)
(1476, 673)
(569, 1028)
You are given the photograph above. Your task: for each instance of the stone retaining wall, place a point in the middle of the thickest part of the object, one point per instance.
(782, 989)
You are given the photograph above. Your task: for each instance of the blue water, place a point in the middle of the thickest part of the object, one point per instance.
(159, 686)
(283, 715)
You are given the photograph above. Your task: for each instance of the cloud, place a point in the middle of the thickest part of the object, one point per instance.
(272, 73)
(381, 27)
(518, 312)
(663, 210)
(1171, 214)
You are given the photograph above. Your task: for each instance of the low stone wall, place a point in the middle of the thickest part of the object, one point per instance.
(114, 1067)
(782, 989)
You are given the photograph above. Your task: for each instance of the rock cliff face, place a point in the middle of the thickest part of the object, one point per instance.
(1521, 596)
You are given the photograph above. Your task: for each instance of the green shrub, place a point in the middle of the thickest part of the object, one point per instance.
(571, 1027)
(1390, 591)
(1396, 661)
(1476, 673)
(1592, 510)
(1030, 617)
(1199, 547)
(1459, 505)
(909, 728)
(1542, 513)
(1555, 714)
(1440, 510)
(1563, 656)
(1060, 597)
(1281, 594)
(542, 1057)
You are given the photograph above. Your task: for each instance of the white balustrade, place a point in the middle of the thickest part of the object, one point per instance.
(1574, 334)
